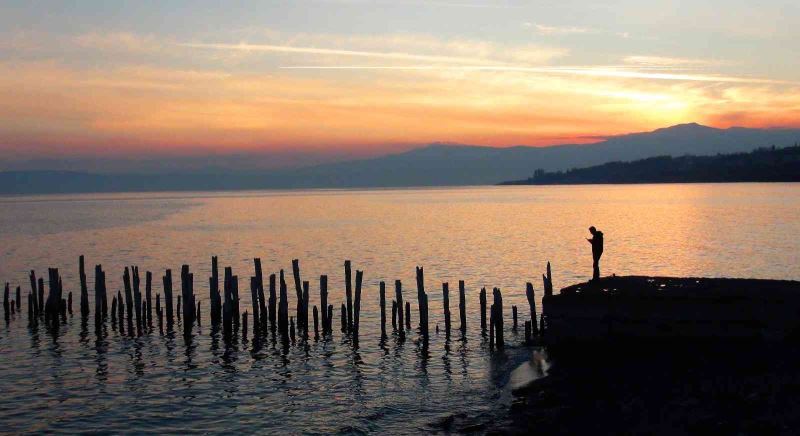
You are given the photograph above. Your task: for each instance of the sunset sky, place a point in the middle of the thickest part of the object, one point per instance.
(299, 82)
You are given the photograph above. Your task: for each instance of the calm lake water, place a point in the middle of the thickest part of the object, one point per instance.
(488, 236)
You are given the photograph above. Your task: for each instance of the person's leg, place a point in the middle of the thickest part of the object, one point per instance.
(596, 267)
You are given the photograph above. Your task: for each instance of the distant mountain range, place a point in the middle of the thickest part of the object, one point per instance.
(433, 165)
(761, 165)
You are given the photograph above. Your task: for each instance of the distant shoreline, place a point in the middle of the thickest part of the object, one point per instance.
(764, 165)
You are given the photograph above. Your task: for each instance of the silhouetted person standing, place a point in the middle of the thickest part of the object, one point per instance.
(597, 250)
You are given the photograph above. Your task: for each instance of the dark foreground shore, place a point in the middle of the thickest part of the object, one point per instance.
(662, 389)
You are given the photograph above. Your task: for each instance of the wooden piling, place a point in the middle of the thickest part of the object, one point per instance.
(283, 312)
(357, 306)
(126, 280)
(304, 312)
(382, 297)
(34, 294)
(137, 300)
(291, 330)
(167, 280)
(19, 299)
(148, 297)
(422, 298)
(491, 327)
(120, 309)
(69, 302)
(187, 294)
(235, 300)
(263, 318)
(527, 332)
(529, 293)
(100, 295)
(255, 303)
(398, 295)
(514, 318)
(394, 315)
(498, 318)
(214, 298)
(462, 307)
(31, 316)
(197, 315)
(244, 325)
(348, 294)
(330, 319)
(179, 309)
(323, 298)
(316, 323)
(446, 308)
(227, 305)
(408, 315)
(84, 288)
(298, 295)
(159, 313)
(6, 304)
(483, 310)
(40, 283)
(273, 302)
(344, 318)
(548, 281)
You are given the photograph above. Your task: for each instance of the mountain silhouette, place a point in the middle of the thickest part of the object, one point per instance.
(438, 164)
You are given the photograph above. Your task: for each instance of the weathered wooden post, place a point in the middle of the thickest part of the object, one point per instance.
(394, 315)
(255, 303)
(357, 307)
(323, 299)
(304, 310)
(548, 281)
(137, 300)
(408, 315)
(529, 293)
(498, 308)
(148, 297)
(179, 309)
(330, 319)
(298, 294)
(491, 327)
(19, 299)
(235, 302)
(483, 310)
(126, 280)
(423, 306)
(527, 332)
(382, 297)
(273, 310)
(6, 304)
(69, 302)
(40, 283)
(214, 298)
(31, 316)
(244, 325)
(283, 311)
(84, 288)
(291, 330)
(348, 294)
(227, 306)
(316, 323)
(273, 302)
(167, 281)
(514, 317)
(398, 295)
(159, 313)
(100, 295)
(121, 310)
(462, 307)
(263, 318)
(344, 318)
(446, 308)
(34, 294)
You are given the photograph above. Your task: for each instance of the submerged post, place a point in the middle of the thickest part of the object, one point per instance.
(529, 293)
(446, 308)
(514, 318)
(423, 306)
(167, 279)
(84, 288)
(408, 315)
(323, 299)
(548, 281)
(357, 306)
(382, 294)
(394, 315)
(483, 310)
(316, 323)
(462, 307)
(348, 294)
(273, 301)
(148, 296)
(498, 318)
(398, 295)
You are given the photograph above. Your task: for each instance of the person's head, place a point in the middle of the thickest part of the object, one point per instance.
(592, 230)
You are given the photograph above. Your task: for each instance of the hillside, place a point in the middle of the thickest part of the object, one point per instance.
(761, 165)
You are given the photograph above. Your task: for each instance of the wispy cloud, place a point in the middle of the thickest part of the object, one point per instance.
(665, 61)
(542, 29)
(565, 70)
(335, 52)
